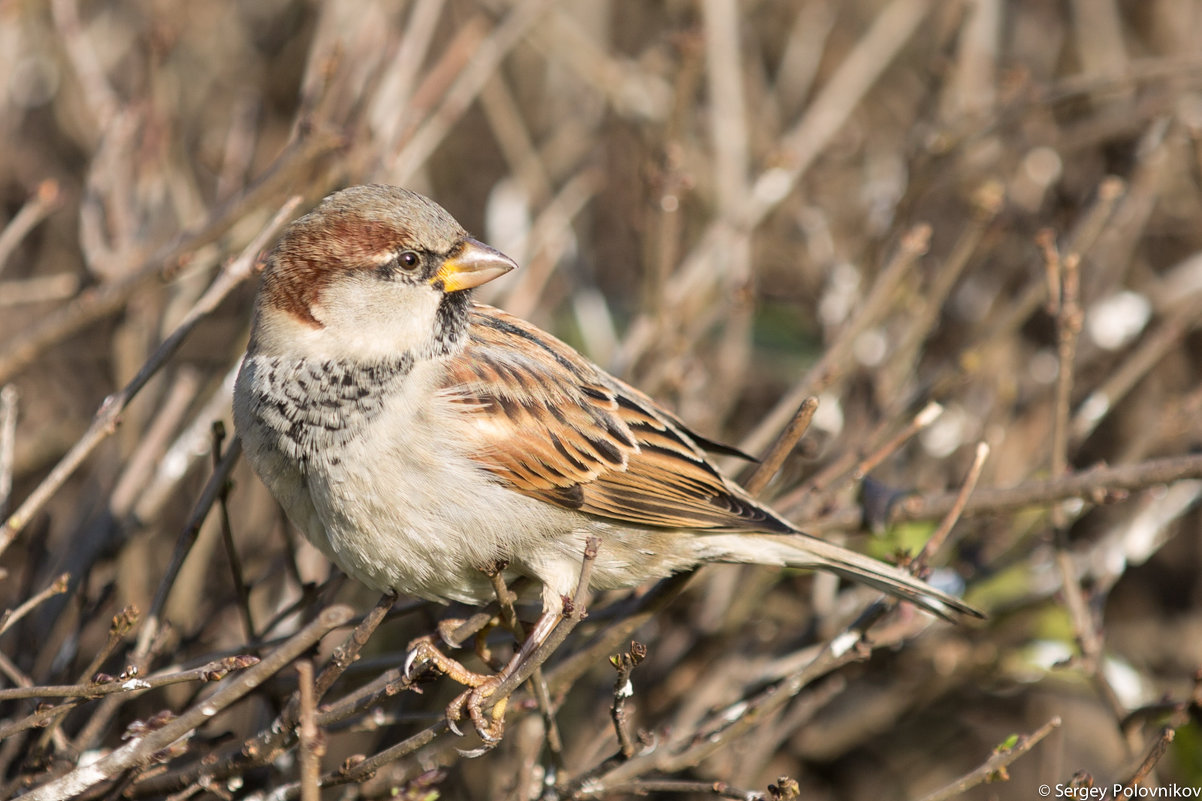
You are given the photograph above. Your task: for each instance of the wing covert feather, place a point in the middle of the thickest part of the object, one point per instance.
(553, 426)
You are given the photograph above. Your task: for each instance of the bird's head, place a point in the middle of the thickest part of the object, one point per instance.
(374, 271)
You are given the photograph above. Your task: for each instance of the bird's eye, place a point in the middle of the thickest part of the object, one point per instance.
(409, 260)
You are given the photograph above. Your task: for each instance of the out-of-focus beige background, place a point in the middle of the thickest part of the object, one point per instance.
(732, 205)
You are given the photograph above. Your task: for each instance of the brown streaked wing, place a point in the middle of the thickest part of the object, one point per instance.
(553, 426)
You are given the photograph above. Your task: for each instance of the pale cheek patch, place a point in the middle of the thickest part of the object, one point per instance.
(368, 319)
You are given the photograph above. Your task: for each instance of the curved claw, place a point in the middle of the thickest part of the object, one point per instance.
(489, 726)
(410, 659)
(476, 752)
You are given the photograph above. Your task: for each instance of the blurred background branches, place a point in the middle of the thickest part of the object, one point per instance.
(953, 223)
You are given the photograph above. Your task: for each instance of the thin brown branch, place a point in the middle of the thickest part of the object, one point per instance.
(1100, 484)
(109, 414)
(854, 465)
(1069, 319)
(995, 767)
(227, 538)
(1151, 757)
(281, 734)
(987, 202)
(311, 745)
(538, 683)
(642, 787)
(141, 749)
(625, 663)
(14, 673)
(838, 354)
(11, 616)
(115, 685)
(213, 489)
(39, 289)
(566, 673)
(45, 200)
(106, 299)
(932, 545)
(8, 443)
(771, 462)
(918, 422)
(123, 623)
(823, 118)
(484, 62)
(42, 717)
(1122, 379)
(730, 724)
(101, 97)
(1064, 271)
(348, 651)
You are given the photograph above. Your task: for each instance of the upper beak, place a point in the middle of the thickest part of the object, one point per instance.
(471, 264)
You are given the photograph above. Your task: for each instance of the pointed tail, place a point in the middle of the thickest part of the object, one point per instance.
(805, 551)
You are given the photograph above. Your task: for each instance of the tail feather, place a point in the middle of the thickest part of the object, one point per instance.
(805, 551)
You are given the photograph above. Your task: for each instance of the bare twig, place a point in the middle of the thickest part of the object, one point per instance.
(101, 96)
(987, 203)
(1154, 754)
(123, 623)
(641, 787)
(227, 537)
(763, 472)
(929, 414)
(1100, 484)
(564, 674)
(855, 465)
(538, 683)
(108, 416)
(932, 545)
(311, 745)
(139, 750)
(625, 663)
(8, 443)
(838, 355)
(731, 723)
(485, 59)
(346, 653)
(39, 289)
(186, 539)
(14, 673)
(101, 301)
(45, 200)
(1122, 379)
(995, 767)
(112, 685)
(1069, 319)
(282, 732)
(11, 616)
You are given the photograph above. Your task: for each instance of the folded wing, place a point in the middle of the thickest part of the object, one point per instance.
(551, 425)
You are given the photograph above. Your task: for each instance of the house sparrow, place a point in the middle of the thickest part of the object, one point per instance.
(416, 437)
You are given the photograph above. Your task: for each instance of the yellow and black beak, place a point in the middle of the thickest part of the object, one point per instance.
(469, 265)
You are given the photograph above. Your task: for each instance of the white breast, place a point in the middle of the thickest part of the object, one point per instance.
(364, 464)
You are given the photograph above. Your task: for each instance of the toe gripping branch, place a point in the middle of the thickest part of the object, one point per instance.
(487, 696)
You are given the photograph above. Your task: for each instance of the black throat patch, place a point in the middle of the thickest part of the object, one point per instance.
(314, 407)
(451, 323)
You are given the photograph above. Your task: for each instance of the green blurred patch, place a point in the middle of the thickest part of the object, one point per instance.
(1186, 751)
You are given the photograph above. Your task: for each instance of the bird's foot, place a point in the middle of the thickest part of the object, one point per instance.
(488, 724)
(423, 651)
